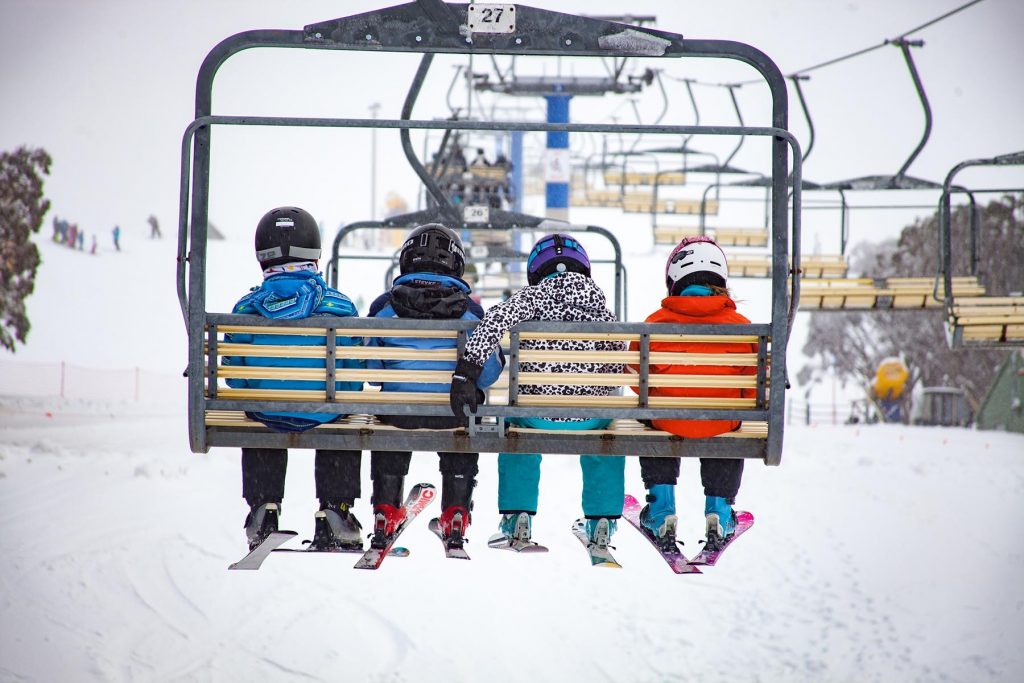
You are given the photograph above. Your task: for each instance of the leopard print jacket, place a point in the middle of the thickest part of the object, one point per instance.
(571, 297)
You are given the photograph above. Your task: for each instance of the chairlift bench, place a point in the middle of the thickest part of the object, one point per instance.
(226, 423)
(894, 293)
(992, 320)
(617, 177)
(644, 203)
(814, 266)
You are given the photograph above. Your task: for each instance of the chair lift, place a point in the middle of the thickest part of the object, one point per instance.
(976, 321)
(893, 293)
(216, 415)
(759, 265)
(666, 234)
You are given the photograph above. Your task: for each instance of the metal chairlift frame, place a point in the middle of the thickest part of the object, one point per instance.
(507, 221)
(945, 275)
(428, 27)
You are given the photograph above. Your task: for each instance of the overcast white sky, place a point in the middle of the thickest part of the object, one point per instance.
(107, 87)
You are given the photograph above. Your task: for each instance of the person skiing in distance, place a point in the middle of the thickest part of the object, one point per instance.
(431, 265)
(288, 249)
(116, 234)
(560, 288)
(696, 276)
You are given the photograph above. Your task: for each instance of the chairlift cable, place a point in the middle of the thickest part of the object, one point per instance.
(857, 53)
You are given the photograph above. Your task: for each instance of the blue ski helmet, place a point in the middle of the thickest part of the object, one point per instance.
(556, 253)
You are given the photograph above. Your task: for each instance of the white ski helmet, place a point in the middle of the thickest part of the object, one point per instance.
(696, 260)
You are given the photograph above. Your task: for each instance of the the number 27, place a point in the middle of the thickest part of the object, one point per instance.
(491, 15)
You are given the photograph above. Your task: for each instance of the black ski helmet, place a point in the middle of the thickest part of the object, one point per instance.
(287, 234)
(432, 248)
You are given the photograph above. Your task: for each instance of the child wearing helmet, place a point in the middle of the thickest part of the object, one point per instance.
(560, 288)
(696, 274)
(430, 286)
(287, 249)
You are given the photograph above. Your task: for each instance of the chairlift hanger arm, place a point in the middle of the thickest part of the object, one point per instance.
(796, 78)
(739, 117)
(905, 46)
(410, 154)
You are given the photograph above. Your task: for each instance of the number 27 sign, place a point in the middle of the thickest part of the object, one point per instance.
(488, 18)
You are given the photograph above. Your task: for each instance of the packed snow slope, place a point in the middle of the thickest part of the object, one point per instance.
(880, 553)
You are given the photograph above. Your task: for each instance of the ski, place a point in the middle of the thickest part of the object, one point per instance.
(256, 556)
(419, 497)
(453, 548)
(503, 542)
(744, 520)
(394, 552)
(675, 559)
(519, 541)
(599, 557)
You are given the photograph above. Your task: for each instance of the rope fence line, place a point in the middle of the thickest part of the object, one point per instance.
(71, 381)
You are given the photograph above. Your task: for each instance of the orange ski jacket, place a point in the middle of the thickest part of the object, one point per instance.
(698, 310)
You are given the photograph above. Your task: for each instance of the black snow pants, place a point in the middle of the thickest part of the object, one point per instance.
(263, 472)
(720, 476)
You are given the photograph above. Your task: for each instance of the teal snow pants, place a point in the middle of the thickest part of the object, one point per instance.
(604, 483)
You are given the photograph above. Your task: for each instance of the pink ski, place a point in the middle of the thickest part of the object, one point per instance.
(744, 520)
(676, 560)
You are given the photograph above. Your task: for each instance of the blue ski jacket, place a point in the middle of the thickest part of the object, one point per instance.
(290, 296)
(428, 296)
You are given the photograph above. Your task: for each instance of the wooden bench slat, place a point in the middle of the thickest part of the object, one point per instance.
(428, 398)
(657, 357)
(550, 401)
(631, 428)
(626, 380)
(704, 338)
(340, 374)
(319, 331)
(747, 430)
(356, 352)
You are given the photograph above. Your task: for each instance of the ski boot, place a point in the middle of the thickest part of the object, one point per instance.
(336, 528)
(659, 515)
(720, 522)
(386, 520)
(516, 526)
(261, 522)
(453, 523)
(600, 531)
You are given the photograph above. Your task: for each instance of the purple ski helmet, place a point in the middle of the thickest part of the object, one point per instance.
(556, 253)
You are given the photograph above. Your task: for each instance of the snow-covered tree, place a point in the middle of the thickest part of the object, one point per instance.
(22, 207)
(851, 345)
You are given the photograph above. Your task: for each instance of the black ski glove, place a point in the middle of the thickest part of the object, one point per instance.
(464, 392)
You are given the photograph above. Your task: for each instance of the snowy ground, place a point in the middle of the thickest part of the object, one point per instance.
(879, 554)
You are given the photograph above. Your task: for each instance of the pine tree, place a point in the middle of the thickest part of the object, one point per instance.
(22, 207)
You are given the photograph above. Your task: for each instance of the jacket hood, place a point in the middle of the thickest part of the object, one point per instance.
(429, 296)
(287, 296)
(574, 290)
(698, 306)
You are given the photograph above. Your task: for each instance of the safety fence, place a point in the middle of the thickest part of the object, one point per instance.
(70, 381)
